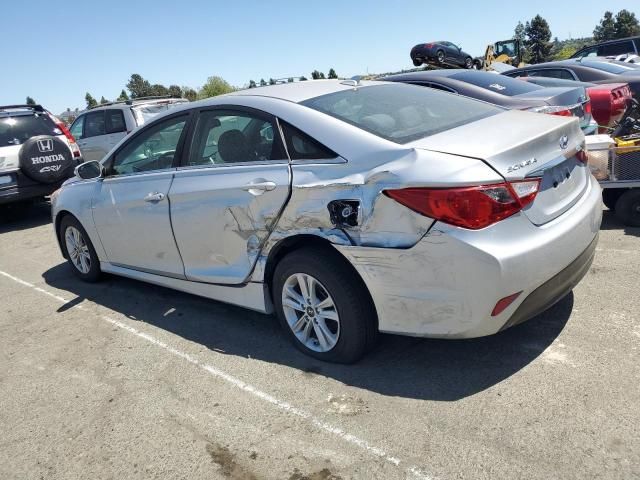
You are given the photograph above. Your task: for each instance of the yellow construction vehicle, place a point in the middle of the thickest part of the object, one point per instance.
(504, 51)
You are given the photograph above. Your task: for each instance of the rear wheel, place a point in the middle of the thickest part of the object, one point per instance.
(628, 208)
(468, 63)
(417, 62)
(440, 56)
(79, 250)
(323, 305)
(610, 196)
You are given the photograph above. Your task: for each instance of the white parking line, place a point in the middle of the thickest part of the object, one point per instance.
(411, 471)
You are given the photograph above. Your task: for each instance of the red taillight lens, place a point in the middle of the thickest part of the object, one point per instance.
(582, 156)
(562, 113)
(63, 128)
(469, 207)
(504, 303)
(428, 45)
(587, 108)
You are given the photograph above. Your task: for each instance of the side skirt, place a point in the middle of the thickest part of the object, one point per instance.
(252, 295)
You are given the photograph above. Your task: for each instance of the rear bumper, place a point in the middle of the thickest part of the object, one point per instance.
(20, 187)
(447, 285)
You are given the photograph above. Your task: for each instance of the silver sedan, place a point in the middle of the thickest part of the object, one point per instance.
(346, 208)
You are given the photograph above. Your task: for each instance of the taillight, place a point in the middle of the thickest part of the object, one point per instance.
(587, 107)
(582, 155)
(563, 111)
(469, 207)
(63, 128)
(428, 45)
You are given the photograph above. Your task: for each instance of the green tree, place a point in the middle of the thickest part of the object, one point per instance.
(262, 82)
(626, 24)
(175, 91)
(518, 33)
(290, 80)
(123, 97)
(607, 28)
(252, 84)
(215, 86)
(190, 94)
(91, 102)
(139, 87)
(30, 101)
(303, 78)
(332, 73)
(103, 100)
(316, 75)
(565, 52)
(538, 36)
(272, 81)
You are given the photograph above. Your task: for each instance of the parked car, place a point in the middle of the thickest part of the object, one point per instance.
(347, 208)
(610, 48)
(37, 153)
(99, 129)
(440, 53)
(585, 71)
(608, 100)
(507, 92)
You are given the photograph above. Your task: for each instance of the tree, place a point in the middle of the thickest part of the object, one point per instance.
(316, 75)
(262, 82)
(175, 91)
(332, 73)
(272, 81)
(303, 78)
(518, 33)
(290, 80)
(607, 28)
(103, 100)
(626, 24)
(123, 97)
(565, 52)
(215, 86)
(538, 36)
(190, 94)
(139, 87)
(30, 101)
(252, 84)
(91, 102)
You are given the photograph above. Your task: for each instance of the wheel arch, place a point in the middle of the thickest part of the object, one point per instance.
(57, 222)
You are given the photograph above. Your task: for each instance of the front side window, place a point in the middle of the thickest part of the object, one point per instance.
(153, 149)
(115, 121)
(94, 124)
(233, 137)
(587, 52)
(76, 128)
(401, 113)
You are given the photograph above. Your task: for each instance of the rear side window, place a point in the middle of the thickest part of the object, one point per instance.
(15, 130)
(76, 128)
(114, 121)
(302, 147)
(552, 73)
(94, 124)
(496, 83)
(399, 112)
(618, 48)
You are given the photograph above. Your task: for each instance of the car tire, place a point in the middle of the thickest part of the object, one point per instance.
(610, 196)
(627, 208)
(83, 259)
(350, 322)
(468, 63)
(417, 62)
(440, 56)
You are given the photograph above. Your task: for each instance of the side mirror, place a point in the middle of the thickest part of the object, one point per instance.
(89, 170)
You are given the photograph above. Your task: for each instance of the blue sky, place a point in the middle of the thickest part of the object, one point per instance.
(55, 52)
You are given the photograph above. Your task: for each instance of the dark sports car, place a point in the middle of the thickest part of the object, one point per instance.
(440, 54)
(506, 92)
(584, 71)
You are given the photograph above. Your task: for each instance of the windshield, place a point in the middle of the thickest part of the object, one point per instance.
(145, 112)
(498, 83)
(401, 113)
(15, 130)
(608, 67)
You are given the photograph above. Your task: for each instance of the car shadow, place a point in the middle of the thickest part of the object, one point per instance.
(22, 216)
(611, 222)
(442, 370)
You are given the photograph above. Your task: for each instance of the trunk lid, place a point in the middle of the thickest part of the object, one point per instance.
(521, 145)
(574, 98)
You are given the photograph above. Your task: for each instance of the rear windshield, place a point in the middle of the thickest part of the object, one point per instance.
(15, 130)
(497, 83)
(144, 113)
(401, 113)
(608, 67)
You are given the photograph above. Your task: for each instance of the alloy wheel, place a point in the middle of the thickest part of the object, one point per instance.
(77, 249)
(310, 312)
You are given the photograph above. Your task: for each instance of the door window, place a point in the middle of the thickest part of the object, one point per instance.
(302, 147)
(76, 128)
(613, 49)
(232, 137)
(589, 52)
(94, 124)
(115, 121)
(153, 149)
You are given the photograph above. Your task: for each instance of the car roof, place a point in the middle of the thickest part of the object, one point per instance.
(606, 42)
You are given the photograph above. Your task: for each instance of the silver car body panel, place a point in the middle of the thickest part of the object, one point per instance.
(426, 278)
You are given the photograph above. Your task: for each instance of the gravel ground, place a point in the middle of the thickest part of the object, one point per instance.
(122, 379)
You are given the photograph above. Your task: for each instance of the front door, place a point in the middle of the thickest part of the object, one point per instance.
(228, 194)
(131, 209)
(92, 142)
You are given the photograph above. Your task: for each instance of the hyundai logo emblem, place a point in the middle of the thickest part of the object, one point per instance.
(564, 142)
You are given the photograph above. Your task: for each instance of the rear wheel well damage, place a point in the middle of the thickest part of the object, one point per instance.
(297, 242)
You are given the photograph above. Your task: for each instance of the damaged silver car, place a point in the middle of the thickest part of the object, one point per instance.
(346, 208)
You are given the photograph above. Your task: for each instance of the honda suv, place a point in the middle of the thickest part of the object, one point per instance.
(98, 130)
(37, 153)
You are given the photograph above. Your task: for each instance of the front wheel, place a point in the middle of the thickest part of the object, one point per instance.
(440, 56)
(628, 208)
(468, 63)
(79, 250)
(323, 305)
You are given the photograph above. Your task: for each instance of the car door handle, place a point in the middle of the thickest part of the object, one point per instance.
(154, 197)
(258, 187)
